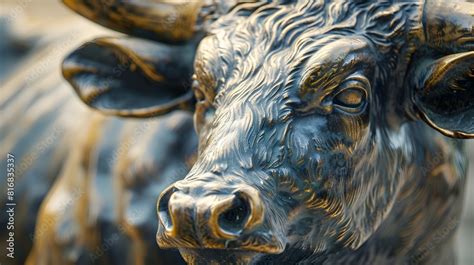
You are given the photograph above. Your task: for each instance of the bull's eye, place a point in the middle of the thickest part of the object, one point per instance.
(352, 96)
(204, 108)
(198, 93)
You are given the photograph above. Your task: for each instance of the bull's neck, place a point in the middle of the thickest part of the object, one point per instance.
(422, 222)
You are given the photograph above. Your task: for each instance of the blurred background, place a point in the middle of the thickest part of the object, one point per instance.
(36, 34)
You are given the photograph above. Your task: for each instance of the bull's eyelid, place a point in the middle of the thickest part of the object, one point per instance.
(353, 84)
(199, 94)
(354, 81)
(201, 76)
(349, 84)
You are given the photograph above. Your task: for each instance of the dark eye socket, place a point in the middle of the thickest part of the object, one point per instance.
(352, 97)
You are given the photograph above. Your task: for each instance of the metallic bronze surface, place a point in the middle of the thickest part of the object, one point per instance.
(327, 133)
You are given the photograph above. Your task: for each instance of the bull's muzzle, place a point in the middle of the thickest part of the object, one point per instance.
(194, 216)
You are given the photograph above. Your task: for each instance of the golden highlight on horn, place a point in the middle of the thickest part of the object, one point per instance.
(449, 25)
(167, 20)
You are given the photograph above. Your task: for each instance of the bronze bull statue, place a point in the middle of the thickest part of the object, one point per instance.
(326, 130)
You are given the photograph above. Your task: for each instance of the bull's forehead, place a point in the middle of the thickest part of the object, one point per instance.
(276, 40)
(279, 76)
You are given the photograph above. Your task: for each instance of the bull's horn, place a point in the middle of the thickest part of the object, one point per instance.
(448, 25)
(166, 21)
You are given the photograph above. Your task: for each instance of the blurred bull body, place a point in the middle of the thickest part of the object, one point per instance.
(95, 212)
(327, 129)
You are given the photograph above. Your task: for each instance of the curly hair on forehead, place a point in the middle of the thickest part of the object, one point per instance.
(280, 24)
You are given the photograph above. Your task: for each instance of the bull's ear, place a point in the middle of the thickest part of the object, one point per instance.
(131, 77)
(444, 94)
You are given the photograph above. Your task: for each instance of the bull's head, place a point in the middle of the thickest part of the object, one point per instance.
(306, 111)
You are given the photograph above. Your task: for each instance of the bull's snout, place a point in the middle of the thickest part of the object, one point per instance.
(216, 215)
(199, 216)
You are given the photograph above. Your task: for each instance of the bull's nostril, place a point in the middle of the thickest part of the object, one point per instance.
(233, 219)
(163, 209)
